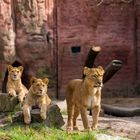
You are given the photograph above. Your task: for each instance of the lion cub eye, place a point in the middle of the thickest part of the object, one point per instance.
(94, 76)
(37, 85)
(43, 85)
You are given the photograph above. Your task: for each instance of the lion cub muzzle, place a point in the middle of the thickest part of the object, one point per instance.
(40, 88)
(15, 74)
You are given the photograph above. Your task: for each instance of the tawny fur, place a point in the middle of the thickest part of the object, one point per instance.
(37, 96)
(14, 85)
(83, 94)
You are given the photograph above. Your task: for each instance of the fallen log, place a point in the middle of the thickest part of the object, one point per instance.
(121, 111)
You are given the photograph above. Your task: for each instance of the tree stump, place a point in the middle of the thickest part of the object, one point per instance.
(7, 103)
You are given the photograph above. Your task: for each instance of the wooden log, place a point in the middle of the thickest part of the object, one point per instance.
(111, 69)
(93, 52)
(121, 111)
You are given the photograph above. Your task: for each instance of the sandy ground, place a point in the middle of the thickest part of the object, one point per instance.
(116, 126)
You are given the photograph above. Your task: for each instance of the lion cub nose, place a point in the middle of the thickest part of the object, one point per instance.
(41, 90)
(99, 83)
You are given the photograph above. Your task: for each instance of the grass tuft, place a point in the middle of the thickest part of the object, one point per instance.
(39, 131)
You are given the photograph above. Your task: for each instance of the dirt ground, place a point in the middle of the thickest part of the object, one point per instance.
(116, 126)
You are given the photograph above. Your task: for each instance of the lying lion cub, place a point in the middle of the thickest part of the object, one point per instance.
(83, 94)
(37, 96)
(14, 84)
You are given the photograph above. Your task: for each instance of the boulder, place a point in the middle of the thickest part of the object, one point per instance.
(7, 103)
(54, 117)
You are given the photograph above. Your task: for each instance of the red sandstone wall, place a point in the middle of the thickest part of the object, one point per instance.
(138, 39)
(114, 25)
(7, 36)
(32, 21)
(110, 25)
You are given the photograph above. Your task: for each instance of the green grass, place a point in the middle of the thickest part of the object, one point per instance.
(39, 131)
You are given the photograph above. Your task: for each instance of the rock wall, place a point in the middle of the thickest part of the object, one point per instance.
(27, 27)
(110, 24)
(7, 34)
(52, 38)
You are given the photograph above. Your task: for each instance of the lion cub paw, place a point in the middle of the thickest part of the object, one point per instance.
(43, 116)
(69, 128)
(27, 121)
(94, 127)
(87, 129)
(75, 128)
(12, 93)
(20, 99)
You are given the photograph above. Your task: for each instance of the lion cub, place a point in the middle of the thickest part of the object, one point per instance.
(37, 96)
(14, 84)
(83, 94)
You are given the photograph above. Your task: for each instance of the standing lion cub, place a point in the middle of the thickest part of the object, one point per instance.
(14, 84)
(83, 94)
(37, 96)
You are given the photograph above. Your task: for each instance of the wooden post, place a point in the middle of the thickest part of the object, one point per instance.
(111, 69)
(93, 52)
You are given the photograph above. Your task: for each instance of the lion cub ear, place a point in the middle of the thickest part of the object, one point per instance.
(86, 70)
(10, 67)
(45, 80)
(20, 68)
(101, 68)
(33, 80)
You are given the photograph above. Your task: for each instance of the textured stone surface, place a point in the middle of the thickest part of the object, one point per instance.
(54, 117)
(110, 25)
(27, 26)
(7, 103)
(43, 31)
(7, 34)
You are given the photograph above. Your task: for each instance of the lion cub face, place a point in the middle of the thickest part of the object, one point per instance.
(15, 72)
(94, 76)
(39, 86)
